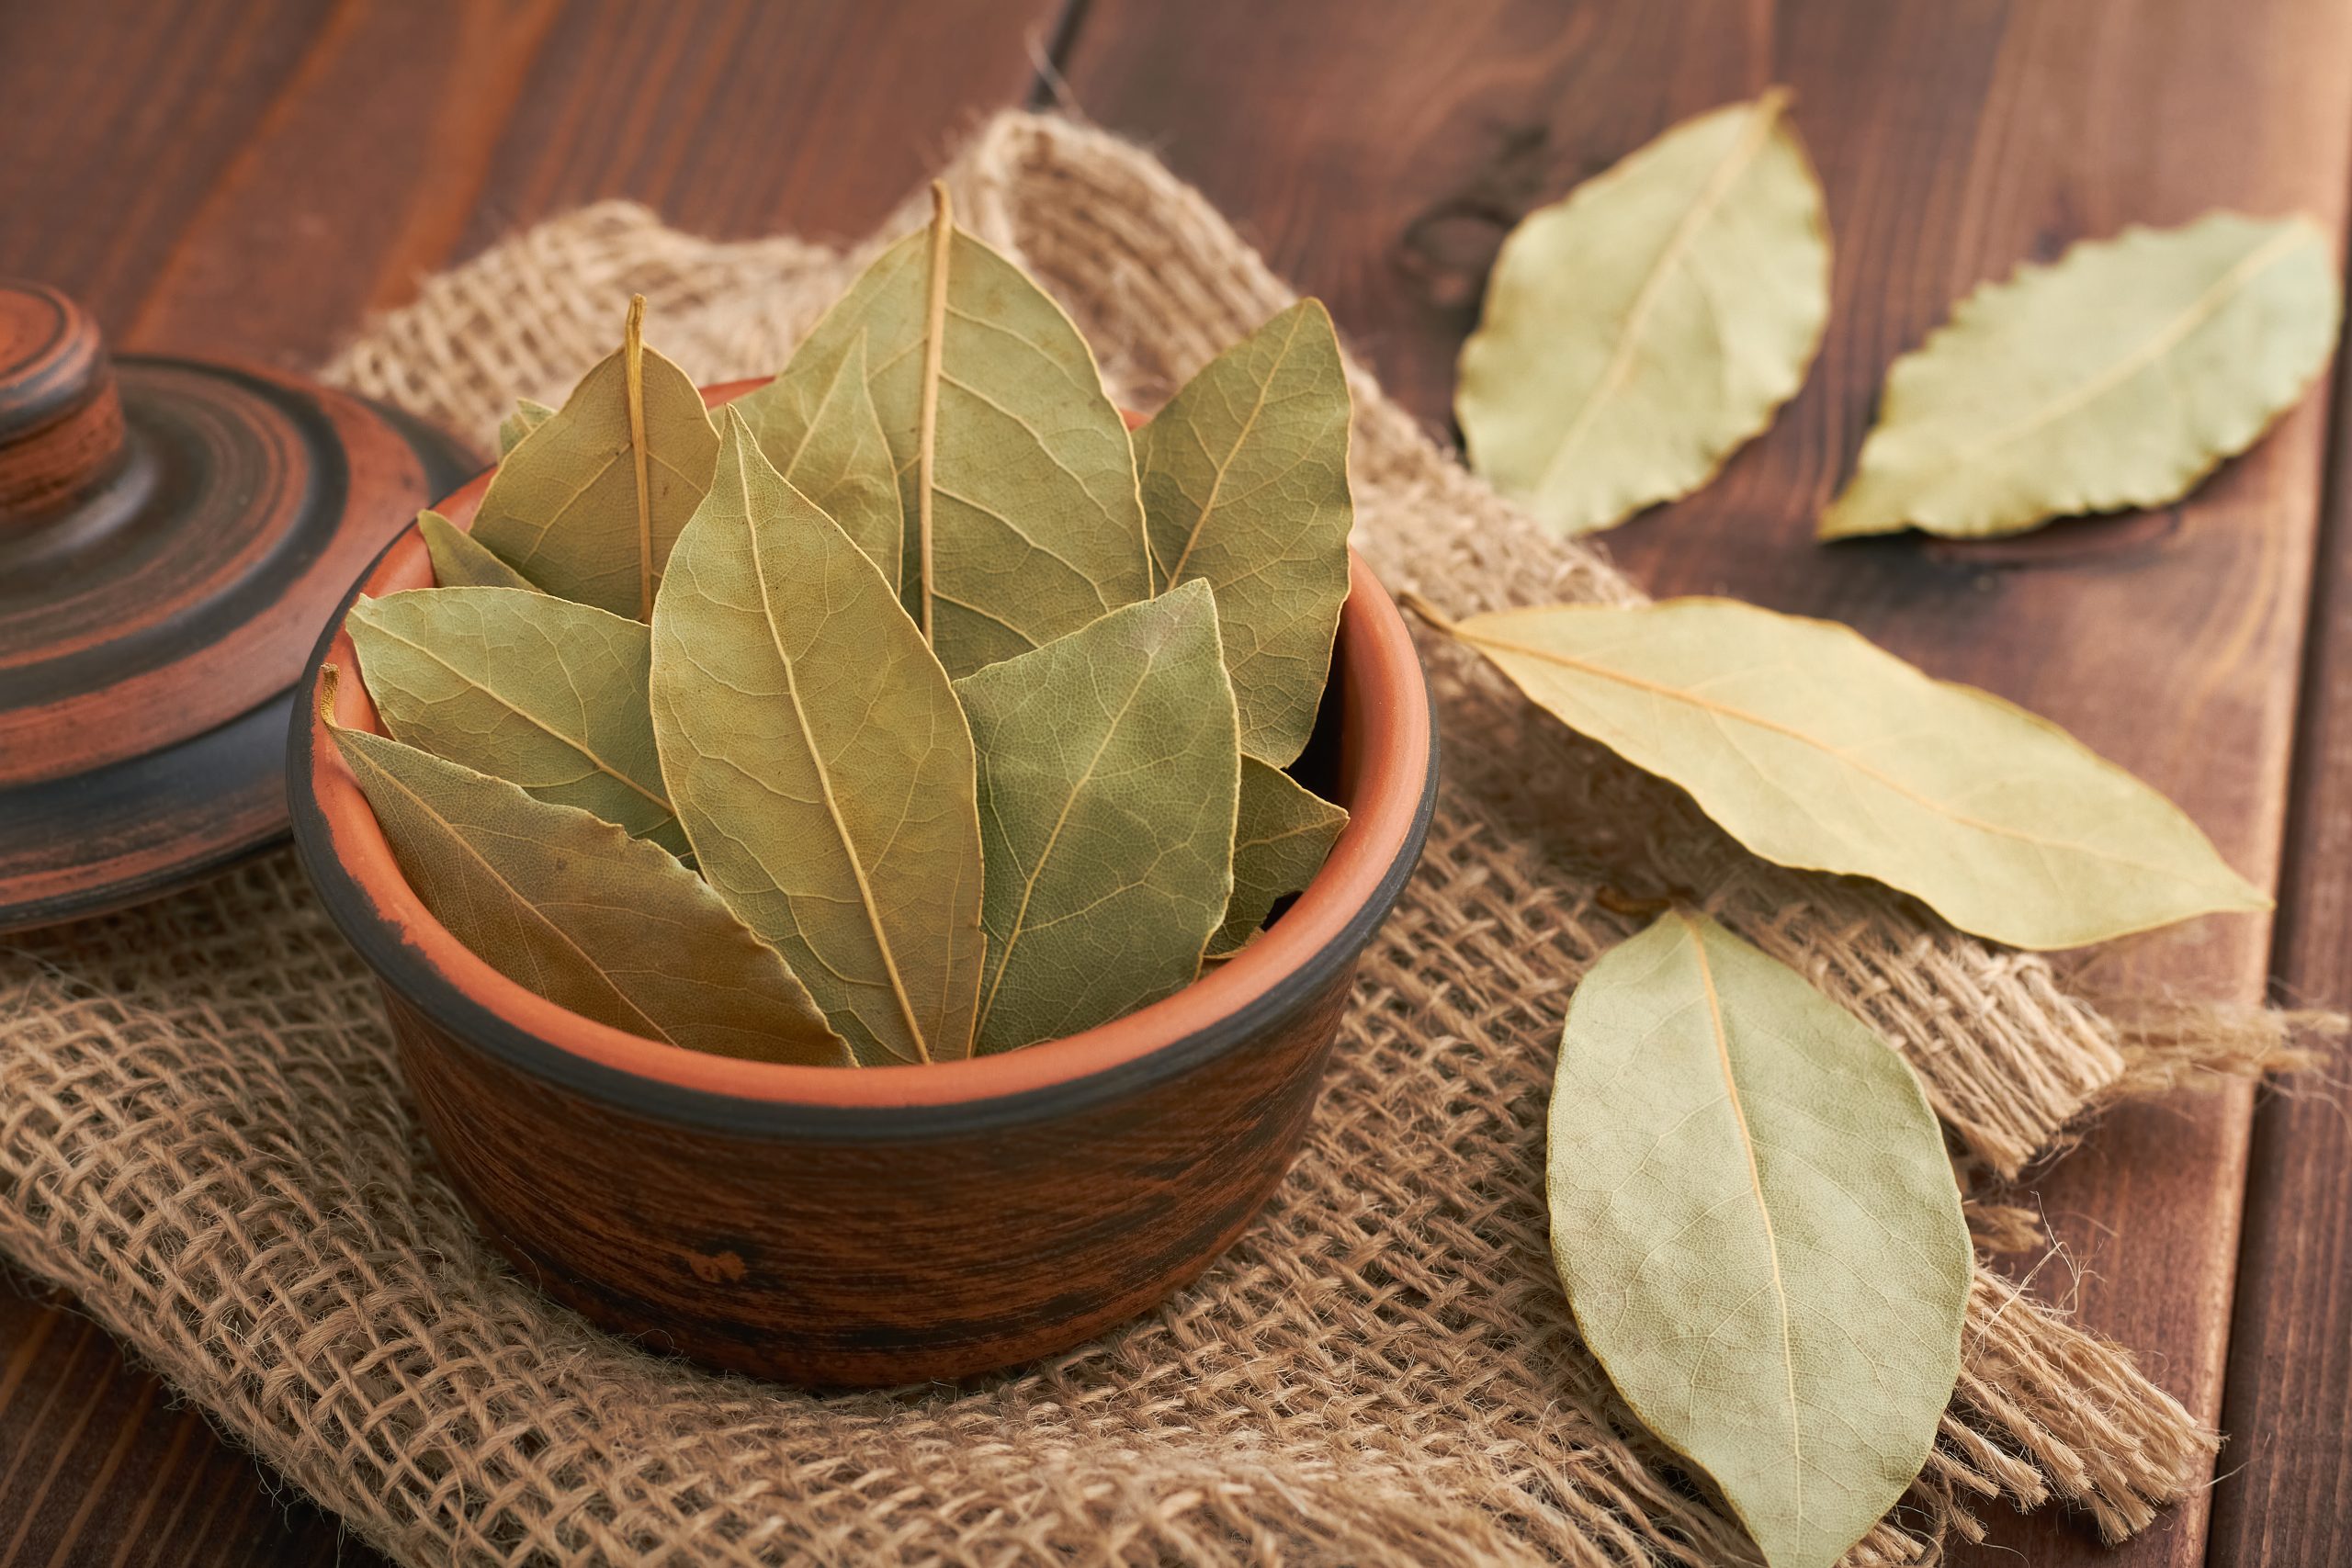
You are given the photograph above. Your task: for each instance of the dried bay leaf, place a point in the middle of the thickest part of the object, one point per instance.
(1245, 485)
(1759, 1231)
(1283, 833)
(460, 560)
(528, 417)
(2118, 376)
(1016, 480)
(571, 908)
(588, 504)
(1817, 750)
(819, 762)
(1110, 761)
(820, 430)
(1636, 332)
(541, 692)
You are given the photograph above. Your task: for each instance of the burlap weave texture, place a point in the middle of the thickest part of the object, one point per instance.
(202, 1134)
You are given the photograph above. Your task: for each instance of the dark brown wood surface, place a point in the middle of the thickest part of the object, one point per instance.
(248, 176)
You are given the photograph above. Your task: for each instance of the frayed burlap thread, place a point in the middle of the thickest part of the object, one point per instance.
(202, 1134)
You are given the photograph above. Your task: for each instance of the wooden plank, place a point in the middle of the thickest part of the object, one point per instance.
(1381, 143)
(241, 179)
(2285, 1495)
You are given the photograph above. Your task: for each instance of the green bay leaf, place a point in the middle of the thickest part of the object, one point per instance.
(1817, 750)
(1759, 1231)
(1283, 833)
(1110, 759)
(570, 907)
(541, 692)
(1635, 333)
(588, 503)
(819, 762)
(1245, 485)
(818, 426)
(460, 560)
(1003, 438)
(2118, 376)
(528, 417)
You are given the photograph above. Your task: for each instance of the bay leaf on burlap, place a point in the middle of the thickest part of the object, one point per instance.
(1016, 480)
(528, 415)
(1245, 484)
(1282, 833)
(571, 908)
(538, 691)
(589, 502)
(2118, 376)
(460, 560)
(1637, 332)
(820, 430)
(819, 762)
(1758, 1230)
(1818, 749)
(1108, 764)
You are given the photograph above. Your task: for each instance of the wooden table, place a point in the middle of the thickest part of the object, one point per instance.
(247, 178)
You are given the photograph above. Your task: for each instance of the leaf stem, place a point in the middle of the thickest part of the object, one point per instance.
(943, 234)
(1429, 613)
(633, 374)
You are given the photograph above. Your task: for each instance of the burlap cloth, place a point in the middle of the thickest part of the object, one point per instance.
(205, 1139)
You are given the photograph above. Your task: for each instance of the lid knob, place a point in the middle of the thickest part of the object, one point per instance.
(61, 418)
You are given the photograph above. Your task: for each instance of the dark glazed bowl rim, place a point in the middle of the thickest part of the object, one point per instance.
(343, 852)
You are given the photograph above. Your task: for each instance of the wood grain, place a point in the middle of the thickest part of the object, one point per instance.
(1387, 147)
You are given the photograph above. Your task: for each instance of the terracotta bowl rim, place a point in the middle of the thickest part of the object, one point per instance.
(416, 958)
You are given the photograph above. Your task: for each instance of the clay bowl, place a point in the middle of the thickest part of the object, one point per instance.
(836, 1226)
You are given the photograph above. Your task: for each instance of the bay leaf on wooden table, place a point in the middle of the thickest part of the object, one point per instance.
(568, 906)
(821, 431)
(820, 764)
(1283, 835)
(1110, 759)
(1016, 480)
(523, 686)
(2118, 376)
(528, 415)
(588, 503)
(1245, 485)
(460, 560)
(1637, 332)
(1817, 750)
(1758, 1230)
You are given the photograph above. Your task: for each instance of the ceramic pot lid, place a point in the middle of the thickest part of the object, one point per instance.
(174, 534)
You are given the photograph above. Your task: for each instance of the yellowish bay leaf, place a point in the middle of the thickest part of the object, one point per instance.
(526, 687)
(1284, 834)
(1817, 750)
(818, 428)
(819, 762)
(460, 560)
(1245, 485)
(1638, 331)
(588, 503)
(574, 908)
(2118, 376)
(1108, 764)
(1017, 481)
(1758, 1230)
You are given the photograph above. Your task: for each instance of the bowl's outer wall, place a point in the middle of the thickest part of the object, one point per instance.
(874, 1263)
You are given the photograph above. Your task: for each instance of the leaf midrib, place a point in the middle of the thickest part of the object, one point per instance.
(1765, 114)
(1722, 1039)
(1225, 465)
(825, 787)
